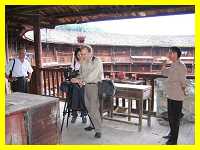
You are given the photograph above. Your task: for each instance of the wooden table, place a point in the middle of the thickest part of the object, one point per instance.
(32, 119)
(135, 82)
(138, 93)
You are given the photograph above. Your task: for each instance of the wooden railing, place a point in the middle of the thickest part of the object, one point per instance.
(51, 81)
(54, 76)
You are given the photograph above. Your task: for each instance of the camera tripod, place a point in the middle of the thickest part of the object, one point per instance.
(67, 110)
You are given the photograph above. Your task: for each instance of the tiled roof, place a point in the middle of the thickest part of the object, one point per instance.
(94, 38)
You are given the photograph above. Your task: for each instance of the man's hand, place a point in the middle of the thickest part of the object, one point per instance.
(11, 79)
(184, 91)
(164, 63)
(81, 83)
(28, 79)
(74, 80)
(78, 81)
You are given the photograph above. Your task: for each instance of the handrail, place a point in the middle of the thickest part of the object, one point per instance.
(52, 77)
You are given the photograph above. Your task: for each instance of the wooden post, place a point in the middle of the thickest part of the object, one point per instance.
(152, 96)
(7, 84)
(7, 49)
(38, 53)
(55, 53)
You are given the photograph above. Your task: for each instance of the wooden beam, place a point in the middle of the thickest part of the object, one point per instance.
(26, 20)
(26, 9)
(90, 16)
(38, 53)
(127, 9)
(21, 14)
(91, 9)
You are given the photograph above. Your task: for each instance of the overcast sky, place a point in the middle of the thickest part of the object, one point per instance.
(164, 25)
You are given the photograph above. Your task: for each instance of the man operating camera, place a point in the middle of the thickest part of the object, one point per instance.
(91, 72)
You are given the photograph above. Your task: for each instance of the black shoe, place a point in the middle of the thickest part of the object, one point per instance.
(89, 128)
(84, 119)
(167, 137)
(73, 119)
(169, 142)
(97, 135)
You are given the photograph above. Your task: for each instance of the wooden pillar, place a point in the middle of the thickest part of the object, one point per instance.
(55, 53)
(38, 53)
(7, 49)
(151, 64)
(7, 84)
(152, 95)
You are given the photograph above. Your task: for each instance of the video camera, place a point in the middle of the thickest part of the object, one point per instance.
(69, 73)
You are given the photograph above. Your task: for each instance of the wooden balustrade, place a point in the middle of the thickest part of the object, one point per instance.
(53, 77)
(51, 81)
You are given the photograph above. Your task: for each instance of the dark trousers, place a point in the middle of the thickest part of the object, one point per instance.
(174, 115)
(78, 103)
(20, 85)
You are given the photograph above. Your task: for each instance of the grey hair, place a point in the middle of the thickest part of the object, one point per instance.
(88, 47)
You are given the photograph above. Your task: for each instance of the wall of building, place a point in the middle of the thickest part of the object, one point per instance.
(115, 58)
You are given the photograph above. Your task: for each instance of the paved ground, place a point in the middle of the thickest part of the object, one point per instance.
(122, 133)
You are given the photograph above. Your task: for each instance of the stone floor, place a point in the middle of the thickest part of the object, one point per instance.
(121, 133)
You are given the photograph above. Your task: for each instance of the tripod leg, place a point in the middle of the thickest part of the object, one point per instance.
(91, 121)
(64, 113)
(62, 123)
(68, 109)
(68, 115)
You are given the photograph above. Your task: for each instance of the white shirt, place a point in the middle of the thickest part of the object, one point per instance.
(76, 66)
(20, 69)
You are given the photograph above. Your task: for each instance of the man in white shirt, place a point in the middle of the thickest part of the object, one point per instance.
(18, 72)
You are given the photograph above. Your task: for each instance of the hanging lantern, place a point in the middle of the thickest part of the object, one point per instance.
(81, 39)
